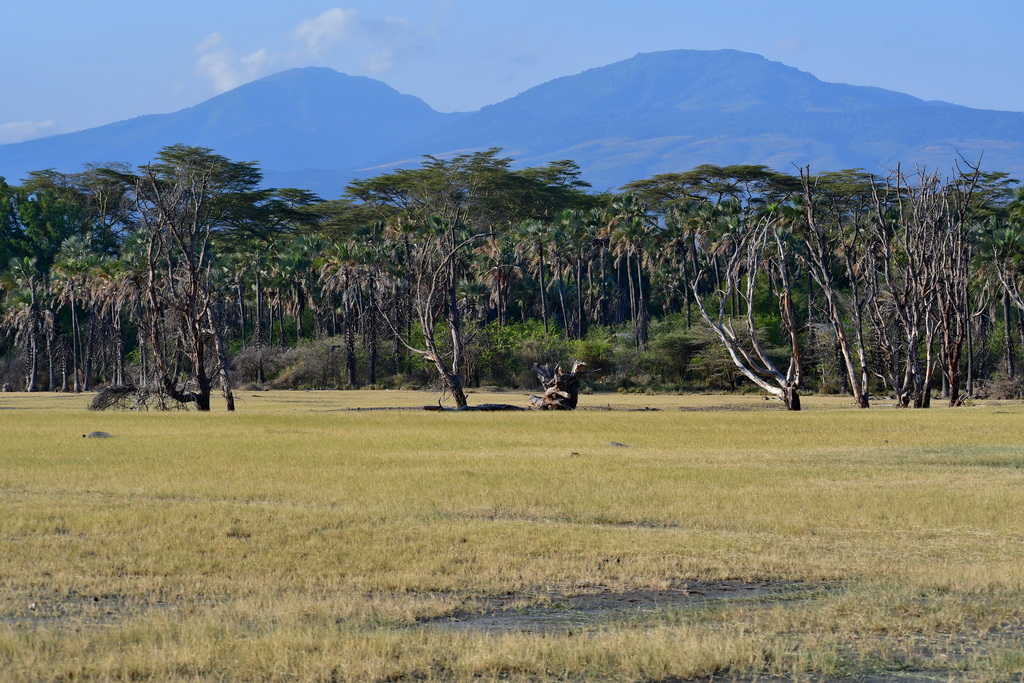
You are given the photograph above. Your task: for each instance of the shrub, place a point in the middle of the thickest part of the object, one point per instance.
(506, 354)
(670, 355)
(597, 353)
(1000, 388)
(314, 365)
(255, 365)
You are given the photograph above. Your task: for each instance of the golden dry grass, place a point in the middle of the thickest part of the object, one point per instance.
(299, 539)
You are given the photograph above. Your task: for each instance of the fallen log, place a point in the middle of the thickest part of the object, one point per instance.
(483, 407)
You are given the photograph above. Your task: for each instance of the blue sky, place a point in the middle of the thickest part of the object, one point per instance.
(73, 64)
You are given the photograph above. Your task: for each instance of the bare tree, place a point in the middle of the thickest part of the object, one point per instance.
(754, 251)
(919, 277)
(953, 255)
(835, 249)
(432, 272)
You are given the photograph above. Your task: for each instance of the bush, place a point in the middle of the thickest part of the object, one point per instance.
(314, 365)
(506, 354)
(1000, 388)
(670, 355)
(254, 366)
(597, 353)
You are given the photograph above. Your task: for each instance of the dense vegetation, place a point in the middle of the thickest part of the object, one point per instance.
(184, 274)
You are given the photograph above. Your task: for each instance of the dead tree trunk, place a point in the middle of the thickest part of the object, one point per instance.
(222, 356)
(561, 388)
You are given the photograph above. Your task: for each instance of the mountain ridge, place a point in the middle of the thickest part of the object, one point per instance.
(728, 107)
(655, 112)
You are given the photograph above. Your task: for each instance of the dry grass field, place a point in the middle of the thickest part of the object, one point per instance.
(708, 536)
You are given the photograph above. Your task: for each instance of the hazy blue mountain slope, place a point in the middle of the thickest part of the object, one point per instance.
(311, 118)
(653, 113)
(675, 110)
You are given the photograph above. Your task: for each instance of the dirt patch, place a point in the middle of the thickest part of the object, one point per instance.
(727, 407)
(553, 613)
(52, 610)
(724, 408)
(531, 519)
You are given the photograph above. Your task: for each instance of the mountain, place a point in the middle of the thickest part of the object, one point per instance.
(298, 124)
(671, 111)
(654, 113)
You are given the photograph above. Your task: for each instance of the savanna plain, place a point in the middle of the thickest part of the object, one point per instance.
(666, 538)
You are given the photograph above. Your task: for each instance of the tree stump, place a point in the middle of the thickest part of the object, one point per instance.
(561, 388)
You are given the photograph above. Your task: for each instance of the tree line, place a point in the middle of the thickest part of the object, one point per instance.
(185, 276)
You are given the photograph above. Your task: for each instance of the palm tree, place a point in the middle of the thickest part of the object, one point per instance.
(577, 230)
(499, 270)
(1000, 263)
(115, 289)
(679, 245)
(339, 275)
(629, 230)
(69, 283)
(556, 242)
(23, 311)
(276, 281)
(294, 265)
(532, 236)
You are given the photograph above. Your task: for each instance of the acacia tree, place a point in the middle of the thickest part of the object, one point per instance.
(887, 265)
(437, 212)
(181, 202)
(10, 228)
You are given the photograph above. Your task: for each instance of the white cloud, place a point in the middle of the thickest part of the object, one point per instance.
(344, 36)
(338, 37)
(789, 46)
(225, 68)
(210, 43)
(334, 26)
(258, 61)
(218, 67)
(19, 131)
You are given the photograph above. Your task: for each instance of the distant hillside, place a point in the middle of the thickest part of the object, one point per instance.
(670, 111)
(302, 123)
(653, 113)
